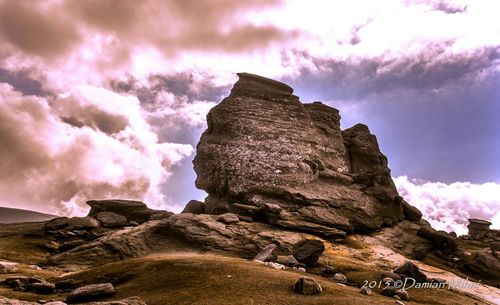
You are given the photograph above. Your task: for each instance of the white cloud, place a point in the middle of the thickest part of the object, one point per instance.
(89, 143)
(448, 206)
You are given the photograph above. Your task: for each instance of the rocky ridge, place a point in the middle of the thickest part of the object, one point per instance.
(267, 156)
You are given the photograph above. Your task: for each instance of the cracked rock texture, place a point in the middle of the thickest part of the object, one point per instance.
(267, 156)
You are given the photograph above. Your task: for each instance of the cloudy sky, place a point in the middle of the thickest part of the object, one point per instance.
(103, 98)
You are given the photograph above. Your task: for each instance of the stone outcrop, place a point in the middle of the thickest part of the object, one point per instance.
(267, 156)
(130, 209)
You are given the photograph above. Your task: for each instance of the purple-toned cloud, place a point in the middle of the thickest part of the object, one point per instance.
(55, 153)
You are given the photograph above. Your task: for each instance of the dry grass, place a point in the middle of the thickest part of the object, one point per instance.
(211, 279)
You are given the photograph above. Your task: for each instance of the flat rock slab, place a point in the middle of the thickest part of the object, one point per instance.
(90, 293)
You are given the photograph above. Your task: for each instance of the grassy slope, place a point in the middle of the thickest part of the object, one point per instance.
(9, 215)
(204, 279)
(192, 278)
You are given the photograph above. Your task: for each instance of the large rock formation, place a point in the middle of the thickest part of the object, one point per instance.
(268, 156)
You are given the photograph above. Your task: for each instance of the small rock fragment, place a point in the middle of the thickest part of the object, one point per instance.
(90, 293)
(340, 278)
(267, 254)
(307, 286)
(365, 290)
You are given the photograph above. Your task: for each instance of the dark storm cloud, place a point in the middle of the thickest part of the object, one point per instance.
(436, 119)
(36, 30)
(173, 25)
(22, 81)
(433, 69)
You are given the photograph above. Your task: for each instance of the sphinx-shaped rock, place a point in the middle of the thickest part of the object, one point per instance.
(268, 156)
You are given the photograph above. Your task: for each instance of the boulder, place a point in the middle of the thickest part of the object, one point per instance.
(267, 254)
(132, 210)
(409, 269)
(194, 207)
(267, 156)
(159, 215)
(111, 219)
(440, 240)
(340, 278)
(56, 224)
(307, 286)
(85, 223)
(228, 218)
(287, 260)
(309, 251)
(389, 291)
(485, 266)
(43, 287)
(90, 293)
(403, 294)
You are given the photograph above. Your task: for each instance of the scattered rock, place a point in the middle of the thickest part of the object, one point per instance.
(411, 270)
(160, 215)
(194, 207)
(90, 293)
(309, 251)
(56, 224)
(132, 210)
(340, 278)
(8, 267)
(307, 286)
(399, 303)
(287, 260)
(228, 218)
(267, 254)
(365, 290)
(439, 239)
(276, 266)
(43, 287)
(389, 291)
(86, 223)
(328, 271)
(403, 294)
(111, 219)
(66, 285)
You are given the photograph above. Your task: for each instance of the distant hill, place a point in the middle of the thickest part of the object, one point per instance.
(10, 215)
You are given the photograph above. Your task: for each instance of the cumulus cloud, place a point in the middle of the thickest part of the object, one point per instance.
(55, 153)
(449, 206)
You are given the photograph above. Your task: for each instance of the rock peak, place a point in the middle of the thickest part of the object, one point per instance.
(267, 156)
(255, 85)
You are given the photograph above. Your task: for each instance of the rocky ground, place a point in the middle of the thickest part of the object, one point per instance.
(298, 212)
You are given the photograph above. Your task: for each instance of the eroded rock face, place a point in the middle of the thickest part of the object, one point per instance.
(268, 156)
(132, 210)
